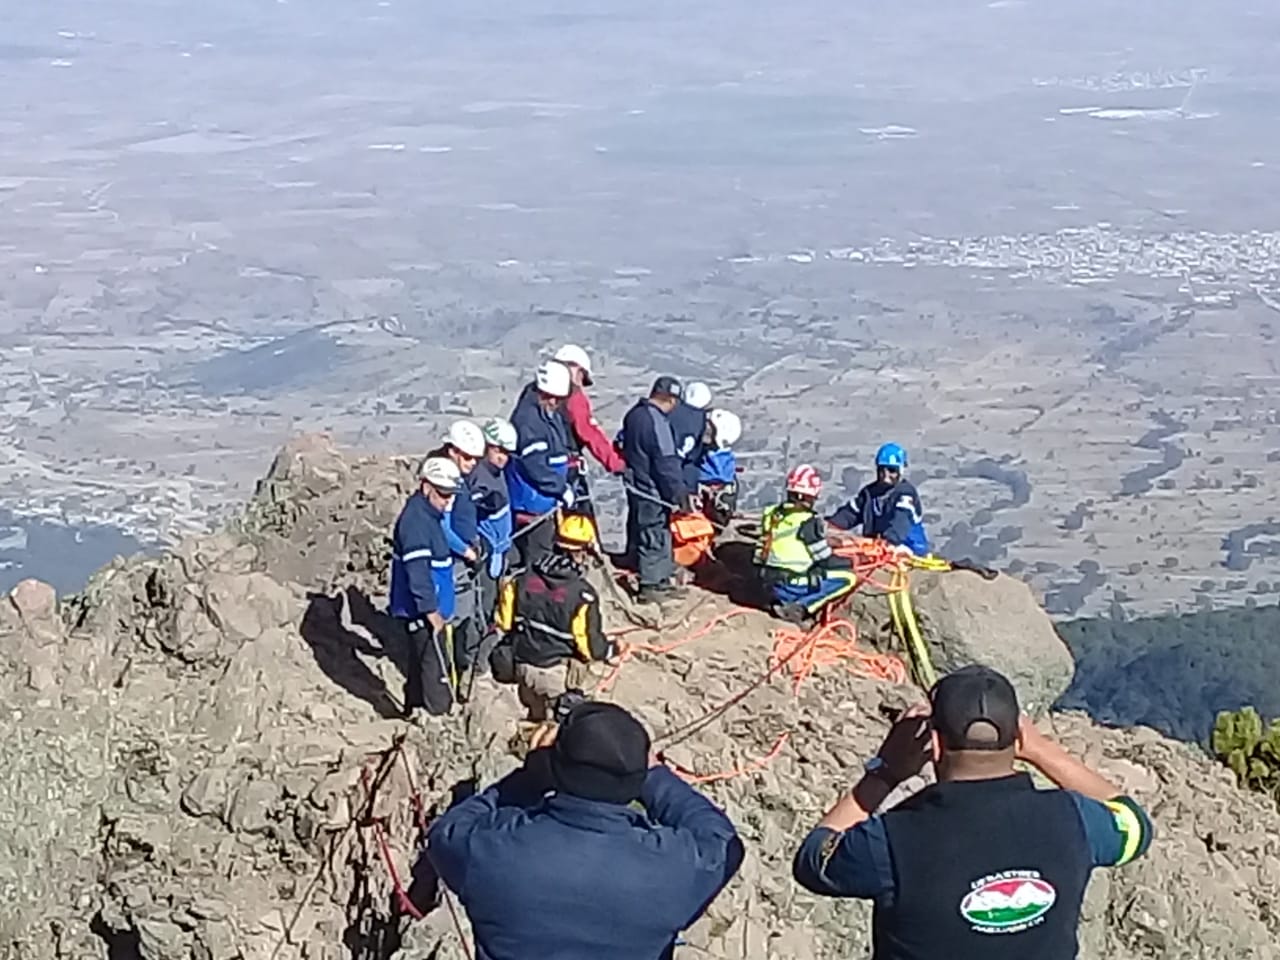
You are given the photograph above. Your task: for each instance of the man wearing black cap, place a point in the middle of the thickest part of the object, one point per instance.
(580, 874)
(981, 865)
(655, 484)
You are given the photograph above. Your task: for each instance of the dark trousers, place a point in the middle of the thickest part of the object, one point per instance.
(468, 629)
(649, 540)
(428, 684)
(537, 543)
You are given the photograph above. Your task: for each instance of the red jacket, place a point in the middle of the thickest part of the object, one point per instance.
(587, 433)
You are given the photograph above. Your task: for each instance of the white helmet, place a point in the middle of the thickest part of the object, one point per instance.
(466, 437)
(727, 426)
(573, 354)
(501, 433)
(442, 473)
(553, 379)
(697, 395)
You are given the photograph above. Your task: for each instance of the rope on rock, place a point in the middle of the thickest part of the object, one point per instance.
(371, 783)
(870, 557)
(830, 645)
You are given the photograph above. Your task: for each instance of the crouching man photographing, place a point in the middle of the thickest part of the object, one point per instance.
(554, 862)
(981, 865)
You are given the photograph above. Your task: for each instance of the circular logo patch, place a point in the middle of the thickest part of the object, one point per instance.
(1007, 904)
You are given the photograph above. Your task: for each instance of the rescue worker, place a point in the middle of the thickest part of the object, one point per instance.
(798, 571)
(422, 598)
(981, 865)
(493, 510)
(655, 486)
(615, 862)
(585, 433)
(889, 508)
(689, 428)
(718, 468)
(537, 476)
(551, 618)
(464, 445)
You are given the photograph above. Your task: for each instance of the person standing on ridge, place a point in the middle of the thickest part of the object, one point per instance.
(889, 508)
(422, 587)
(551, 617)
(464, 445)
(493, 511)
(584, 429)
(655, 486)
(689, 427)
(798, 571)
(980, 865)
(581, 873)
(537, 476)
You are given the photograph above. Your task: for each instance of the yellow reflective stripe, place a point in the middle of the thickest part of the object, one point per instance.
(581, 637)
(453, 662)
(1129, 824)
(505, 616)
(851, 581)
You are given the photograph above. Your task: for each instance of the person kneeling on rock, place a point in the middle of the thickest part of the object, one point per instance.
(981, 865)
(551, 618)
(798, 571)
(555, 861)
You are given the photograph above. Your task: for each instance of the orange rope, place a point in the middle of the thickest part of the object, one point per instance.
(628, 650)
(832, 644)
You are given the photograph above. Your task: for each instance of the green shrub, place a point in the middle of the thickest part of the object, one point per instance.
(1250, 749)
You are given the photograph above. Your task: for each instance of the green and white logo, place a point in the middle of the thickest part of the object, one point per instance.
(1008, 902)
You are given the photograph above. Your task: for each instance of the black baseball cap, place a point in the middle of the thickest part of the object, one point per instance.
(600, 753)
(975, 695)
(669, 386)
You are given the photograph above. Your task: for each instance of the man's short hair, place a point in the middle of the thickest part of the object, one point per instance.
(975, 708)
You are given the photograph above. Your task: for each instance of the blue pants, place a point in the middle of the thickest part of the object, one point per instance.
(813, 597)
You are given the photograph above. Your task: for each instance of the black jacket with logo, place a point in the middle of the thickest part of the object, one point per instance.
(552, 614)
(976, 870)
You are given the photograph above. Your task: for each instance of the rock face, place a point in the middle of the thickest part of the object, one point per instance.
(202, 761)
(966, 619)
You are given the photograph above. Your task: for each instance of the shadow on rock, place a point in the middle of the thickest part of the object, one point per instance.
(337, 647)
(732, 575)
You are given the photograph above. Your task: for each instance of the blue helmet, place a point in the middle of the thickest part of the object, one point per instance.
(891, 455)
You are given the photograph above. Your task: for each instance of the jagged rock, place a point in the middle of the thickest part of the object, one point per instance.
(186, 775)
(966, 619)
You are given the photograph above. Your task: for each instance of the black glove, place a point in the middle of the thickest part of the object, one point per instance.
(565, 704)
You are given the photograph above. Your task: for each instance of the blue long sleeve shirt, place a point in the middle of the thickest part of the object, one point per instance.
(537, 474)
(649, 448)
(421, 565)
(889, 512)
(563, 878)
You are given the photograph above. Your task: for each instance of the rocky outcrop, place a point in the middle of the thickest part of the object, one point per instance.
(967, 619)
(203, 761)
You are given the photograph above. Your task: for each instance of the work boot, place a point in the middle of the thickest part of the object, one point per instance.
(791, 613)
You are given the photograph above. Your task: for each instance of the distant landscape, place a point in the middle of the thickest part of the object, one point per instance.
(1034, 242)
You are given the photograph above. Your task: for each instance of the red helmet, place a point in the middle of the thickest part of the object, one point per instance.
(804, 480)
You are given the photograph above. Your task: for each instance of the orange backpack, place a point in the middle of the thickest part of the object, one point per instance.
(691, 535)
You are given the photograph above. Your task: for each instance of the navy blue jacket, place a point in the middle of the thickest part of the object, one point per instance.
(889, 512)
(421, 565)
(563, 878)
(688, 427)
(493, 511)
(649, 447)
(538, 472)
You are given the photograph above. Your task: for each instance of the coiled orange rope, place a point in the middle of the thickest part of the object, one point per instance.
(829, 645)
